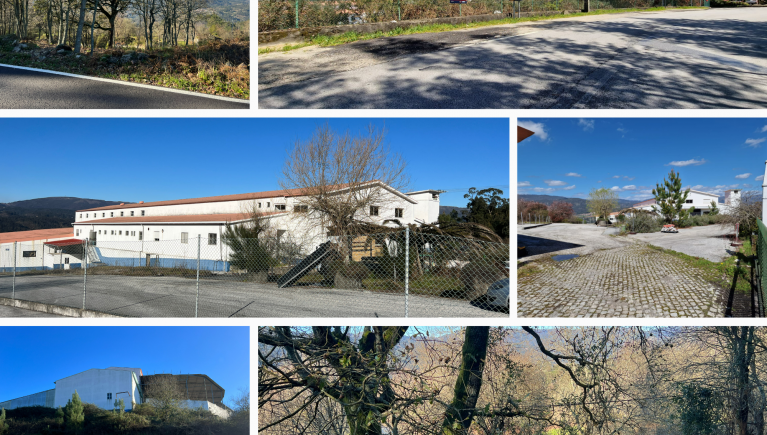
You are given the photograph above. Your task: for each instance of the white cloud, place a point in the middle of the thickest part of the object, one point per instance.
(616, 189)
(747, 185)
(754, 143)
(537, 127)
(616, 176)
(628, 178)
(629, 187)
(573, 174)
(587, 124)
(742, 176)
(543, 189)
(764, 128)
(569, 187)
(524, 184)
(555, 183)
(759, 178)
(599, 181)
(687, 162)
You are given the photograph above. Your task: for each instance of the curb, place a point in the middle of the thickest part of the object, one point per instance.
(54, 309)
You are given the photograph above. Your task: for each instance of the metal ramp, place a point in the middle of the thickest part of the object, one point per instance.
(93, 256)
(305, 266)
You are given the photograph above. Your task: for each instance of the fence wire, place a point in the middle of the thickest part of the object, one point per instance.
(389, 274)
(287, 14)
(761, 265)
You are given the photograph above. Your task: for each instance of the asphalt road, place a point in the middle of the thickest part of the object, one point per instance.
(23, 89)
(683, 59)
(163, 296)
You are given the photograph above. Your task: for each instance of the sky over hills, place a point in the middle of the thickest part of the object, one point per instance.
(569, 157)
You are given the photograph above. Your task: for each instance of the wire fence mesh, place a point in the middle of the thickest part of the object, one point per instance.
(388, 274)
(761, 265)
(287, 14)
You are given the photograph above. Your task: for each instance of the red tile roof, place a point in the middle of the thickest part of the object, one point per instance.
(28, 236)
(238, 197)
(222, 217)
(65, 242)
(644, 203)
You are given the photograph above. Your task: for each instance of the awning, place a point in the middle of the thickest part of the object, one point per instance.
(65, 242)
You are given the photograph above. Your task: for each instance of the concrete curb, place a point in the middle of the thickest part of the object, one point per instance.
(54, 309)
(535, 226)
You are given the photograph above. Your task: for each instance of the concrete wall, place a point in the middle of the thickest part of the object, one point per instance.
(45, 257)
(93, 386)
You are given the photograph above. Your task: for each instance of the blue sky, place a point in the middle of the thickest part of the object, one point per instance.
(34, 357)
(161, 159)
(568, 157)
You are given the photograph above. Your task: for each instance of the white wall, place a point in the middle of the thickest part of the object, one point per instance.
(45, 256)
(93, 386)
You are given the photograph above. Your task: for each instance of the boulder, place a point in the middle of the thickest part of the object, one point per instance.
(23, 46)
(478, 276)
(61, 51)
(16, 49)
(344, 282)
(64, 47)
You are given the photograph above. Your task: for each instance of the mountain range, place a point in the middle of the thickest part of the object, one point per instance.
(580, 205)
(44, 213)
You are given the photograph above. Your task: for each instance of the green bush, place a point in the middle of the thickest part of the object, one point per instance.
(643, 223)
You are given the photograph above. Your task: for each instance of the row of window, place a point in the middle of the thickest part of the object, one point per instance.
(112, 214)
(398, 212)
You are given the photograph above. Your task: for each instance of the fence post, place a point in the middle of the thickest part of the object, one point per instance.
(13, 291)
(198, 236)
(197, 298)
(407, 268)
(85, 269)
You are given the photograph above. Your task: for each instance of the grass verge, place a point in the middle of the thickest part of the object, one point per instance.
(345, 38)
(721, 274)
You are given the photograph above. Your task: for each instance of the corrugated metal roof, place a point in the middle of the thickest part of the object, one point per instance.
(27, 236)
(65, 242)
(236, 197)
(190, 218)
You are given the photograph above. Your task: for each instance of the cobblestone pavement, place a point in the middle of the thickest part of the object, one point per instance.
(628, 281)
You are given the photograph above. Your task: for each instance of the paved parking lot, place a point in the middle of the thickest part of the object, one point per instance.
(166, 296)
(618, 276)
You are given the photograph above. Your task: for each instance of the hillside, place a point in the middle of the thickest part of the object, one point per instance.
(447, 209)
(44, 213)
(579, 204)
(231, 10)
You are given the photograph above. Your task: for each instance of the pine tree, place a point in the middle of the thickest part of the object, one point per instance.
(670, 198)
(3, 424)
(74, 413)
(59, 416)
(714, 209)
(248, 252)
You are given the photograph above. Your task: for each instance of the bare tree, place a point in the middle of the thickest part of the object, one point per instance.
(602, 202)
(343, 179)
(165, 395)
(744, 212)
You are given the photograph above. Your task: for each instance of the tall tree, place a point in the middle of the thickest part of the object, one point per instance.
(670, 198)
(111, 9)
(74, 415)
(602, 202)
(487, 207)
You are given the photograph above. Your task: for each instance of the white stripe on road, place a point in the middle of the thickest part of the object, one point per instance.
(140, 85)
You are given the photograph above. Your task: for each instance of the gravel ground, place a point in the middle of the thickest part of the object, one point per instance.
(705, 242)
(224, 297)
(680, 59)
(581, 239)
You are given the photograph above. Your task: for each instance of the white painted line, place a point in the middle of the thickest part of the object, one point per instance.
(139, 85)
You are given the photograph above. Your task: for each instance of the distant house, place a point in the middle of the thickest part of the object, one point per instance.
(699, 203)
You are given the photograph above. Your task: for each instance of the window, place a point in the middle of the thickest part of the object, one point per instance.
(66, 260)
(279, 206)
(28, 254)
(373, 210)
(103, 214)
(212, 238)
(109, 396)
(131, 213)
(132, 233)
(397, 212)
(267, 205)
(121, 233)
(113, 233)
(81, 215)
(301, 208)
(99, 231)
(156, 236)
(184, 237)
(259, 205)
(86, 215)
(689, 201)
(141, 235)
(122, 213)
(142, 212)
(112, 214)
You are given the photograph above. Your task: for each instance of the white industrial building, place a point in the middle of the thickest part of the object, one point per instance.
(166, 233)
(699, 203)
(102, 387)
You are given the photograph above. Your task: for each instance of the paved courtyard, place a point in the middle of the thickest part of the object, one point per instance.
(618, 276)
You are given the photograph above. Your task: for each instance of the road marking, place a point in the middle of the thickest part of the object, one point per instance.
(139, 85)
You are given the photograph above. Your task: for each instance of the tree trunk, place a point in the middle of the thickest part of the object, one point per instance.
(93, 26)
(80, 23)
(460, 414)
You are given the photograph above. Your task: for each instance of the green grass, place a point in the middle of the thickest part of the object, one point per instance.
(723, 273)
(345, 38)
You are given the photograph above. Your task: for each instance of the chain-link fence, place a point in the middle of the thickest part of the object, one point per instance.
(286, 14)
(395, 273)
(760, 269)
